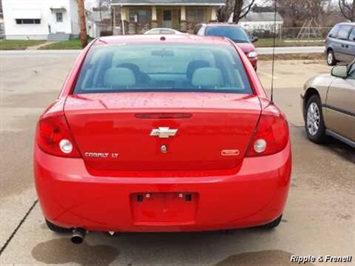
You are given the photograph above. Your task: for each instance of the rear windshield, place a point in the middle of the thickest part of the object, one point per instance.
(236, 34)
(162, 67)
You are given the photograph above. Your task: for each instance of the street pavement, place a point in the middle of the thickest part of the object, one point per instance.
(319, 218)
(261, 51)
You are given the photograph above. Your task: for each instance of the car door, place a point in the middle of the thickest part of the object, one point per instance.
(340, 105)
(343, 44)
(351, 45)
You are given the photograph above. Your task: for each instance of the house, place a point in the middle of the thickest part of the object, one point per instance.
(138, 16)
(262, 22)
(40, 19)
(99, 21)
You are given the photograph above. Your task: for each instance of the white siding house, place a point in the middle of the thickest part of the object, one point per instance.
(262, 21)
(40, 19)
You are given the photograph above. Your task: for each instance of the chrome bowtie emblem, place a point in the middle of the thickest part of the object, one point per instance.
(163, 132)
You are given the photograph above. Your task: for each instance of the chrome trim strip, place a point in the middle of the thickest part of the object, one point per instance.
(338, 109)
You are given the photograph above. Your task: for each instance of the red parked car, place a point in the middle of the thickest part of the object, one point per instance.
(234, 32)
(161, 133)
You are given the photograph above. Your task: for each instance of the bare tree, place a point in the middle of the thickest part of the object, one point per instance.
(297, 12)
(347, 8)
(239, 9)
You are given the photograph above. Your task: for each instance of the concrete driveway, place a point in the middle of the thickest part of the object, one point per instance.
(319, 219)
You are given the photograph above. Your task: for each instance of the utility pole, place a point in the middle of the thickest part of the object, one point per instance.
(82, 22)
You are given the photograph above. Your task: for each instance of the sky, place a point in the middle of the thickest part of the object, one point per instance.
(89, 4)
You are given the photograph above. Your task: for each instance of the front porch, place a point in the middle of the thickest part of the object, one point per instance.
(138, 18)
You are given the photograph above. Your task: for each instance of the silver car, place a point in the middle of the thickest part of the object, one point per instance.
(329, 105)
(340, 44)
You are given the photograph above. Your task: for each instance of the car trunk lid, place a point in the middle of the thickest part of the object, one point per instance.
(162, 131)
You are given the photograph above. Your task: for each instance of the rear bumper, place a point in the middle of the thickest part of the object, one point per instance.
(71, 197)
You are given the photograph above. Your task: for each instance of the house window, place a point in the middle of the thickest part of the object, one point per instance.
(59, 16)
(140, 15)
(195, 15)
(27, 21)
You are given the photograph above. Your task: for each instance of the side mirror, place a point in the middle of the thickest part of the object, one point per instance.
(254, 39)
(340, 71)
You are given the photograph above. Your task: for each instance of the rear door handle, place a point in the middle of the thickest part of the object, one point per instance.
(346, 46)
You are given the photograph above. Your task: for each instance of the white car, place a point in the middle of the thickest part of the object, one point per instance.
(158, 31)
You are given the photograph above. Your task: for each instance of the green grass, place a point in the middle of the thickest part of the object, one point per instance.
(18, 44)
(305, 56)
(288, 42)
(66, 45)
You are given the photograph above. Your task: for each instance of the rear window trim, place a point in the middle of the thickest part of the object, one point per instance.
(98, 44)
(174, 90)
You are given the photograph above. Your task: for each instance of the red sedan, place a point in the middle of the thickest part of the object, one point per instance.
(234, 32)
(161, 133)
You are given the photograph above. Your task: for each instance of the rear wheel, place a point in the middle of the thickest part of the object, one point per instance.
(272, 224)
(314, 122)
(58, 229)
(331, 61)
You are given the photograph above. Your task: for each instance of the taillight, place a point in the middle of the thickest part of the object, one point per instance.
(53, 137)
(271, 135)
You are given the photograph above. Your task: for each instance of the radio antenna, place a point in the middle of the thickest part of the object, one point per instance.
(273, 54)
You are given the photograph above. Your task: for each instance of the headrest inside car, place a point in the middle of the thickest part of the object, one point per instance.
(207, 77)
(119, 77)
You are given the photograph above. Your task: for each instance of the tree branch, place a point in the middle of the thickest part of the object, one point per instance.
(347, 9)
(246, 9)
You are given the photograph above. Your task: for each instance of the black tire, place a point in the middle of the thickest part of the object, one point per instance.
(331, 61)
(313, 113)
(272, 224)
(58, 229)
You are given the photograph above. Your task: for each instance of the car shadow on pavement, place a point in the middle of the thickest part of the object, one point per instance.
(265, 258)
(336, 146)
(341, 149)
(60, 251)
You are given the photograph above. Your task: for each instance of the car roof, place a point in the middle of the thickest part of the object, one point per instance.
(193, 39)
(162, 29)
(223, 24)
(346, 23)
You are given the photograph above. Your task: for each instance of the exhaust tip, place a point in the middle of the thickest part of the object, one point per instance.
(77, 239)
(78, 236)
